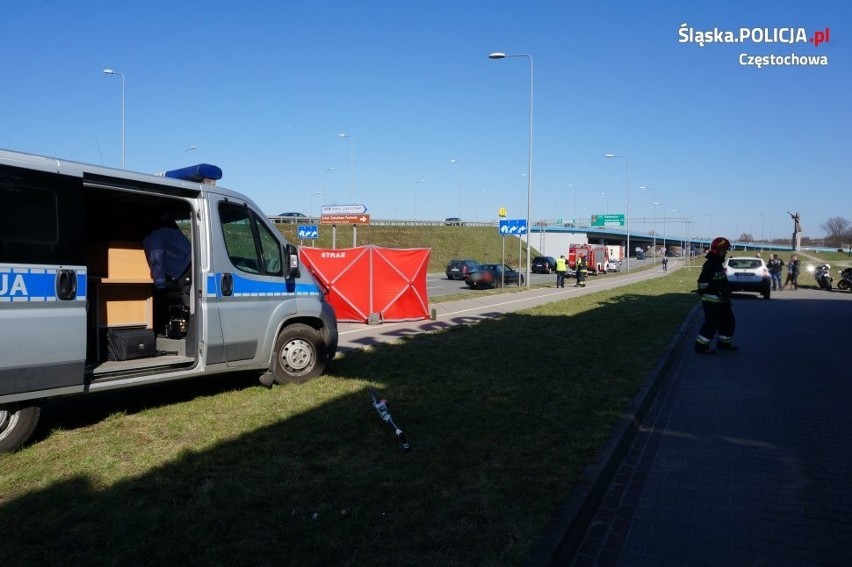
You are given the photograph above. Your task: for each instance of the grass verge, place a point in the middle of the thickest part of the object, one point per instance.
(502, 417)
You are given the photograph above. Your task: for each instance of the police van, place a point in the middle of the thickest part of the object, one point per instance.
(85, 305)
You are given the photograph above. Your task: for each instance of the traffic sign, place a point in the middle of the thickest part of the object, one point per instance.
(345, 219)
(309, 231)
(512, 227)
(343, 210)
(607, 220)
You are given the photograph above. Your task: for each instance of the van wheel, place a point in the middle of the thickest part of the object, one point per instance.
(17, 423)
(299, 355)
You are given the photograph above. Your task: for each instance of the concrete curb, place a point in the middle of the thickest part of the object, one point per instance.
(562, 537)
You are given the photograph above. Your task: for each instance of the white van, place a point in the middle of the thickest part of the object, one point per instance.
(80, 310)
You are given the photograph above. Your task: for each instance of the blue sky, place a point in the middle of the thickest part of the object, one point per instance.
(263, 89)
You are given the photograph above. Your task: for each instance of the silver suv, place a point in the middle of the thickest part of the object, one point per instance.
(748, 273)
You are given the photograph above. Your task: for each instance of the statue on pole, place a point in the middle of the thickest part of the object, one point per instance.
(796, 241)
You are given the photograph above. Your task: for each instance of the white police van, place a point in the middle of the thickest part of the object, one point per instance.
(79, 312)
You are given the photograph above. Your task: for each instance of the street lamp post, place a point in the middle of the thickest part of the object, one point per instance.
(460, 185)
(111, 72)
(654, 205)
(627, 161)
(710, 226)
(312, 202)
(571, 188)
(325, 181)
(499, 55)
(419, 181)
(606, 203)
(351, 165)
(476, 204)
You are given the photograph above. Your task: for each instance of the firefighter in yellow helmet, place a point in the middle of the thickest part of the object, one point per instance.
(582, 269)
(715, 301)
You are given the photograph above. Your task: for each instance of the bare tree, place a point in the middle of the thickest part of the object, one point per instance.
(745, 237)
(836, 230)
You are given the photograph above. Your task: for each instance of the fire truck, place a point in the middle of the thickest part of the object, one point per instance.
(596, 255)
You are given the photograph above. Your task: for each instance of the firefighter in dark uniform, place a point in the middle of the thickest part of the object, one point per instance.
(716, 301)
(582, 270)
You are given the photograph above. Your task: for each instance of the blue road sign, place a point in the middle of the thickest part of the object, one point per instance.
(512, 227)
(308, 231)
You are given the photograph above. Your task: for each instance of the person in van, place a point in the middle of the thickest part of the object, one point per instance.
(169, 255)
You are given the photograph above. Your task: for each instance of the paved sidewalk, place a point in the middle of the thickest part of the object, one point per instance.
(744, 458)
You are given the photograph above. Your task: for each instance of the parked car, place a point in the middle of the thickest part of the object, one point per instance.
(613, 266)
(458, 269)
(543, 265)
(748, 273)
(452, 221)
(493, 275)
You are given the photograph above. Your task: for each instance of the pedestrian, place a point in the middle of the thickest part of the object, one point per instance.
(582, 269)
(792, 281)
(776, 266)
(665, 264)
(561, 264)
(715, 301)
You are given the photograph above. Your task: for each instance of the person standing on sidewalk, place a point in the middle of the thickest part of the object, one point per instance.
(582, 269)
(792, 281)
(776, 266)
(665, 264)
(715, 301)
(561, 264)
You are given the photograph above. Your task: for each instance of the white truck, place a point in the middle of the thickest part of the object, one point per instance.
(79, 309)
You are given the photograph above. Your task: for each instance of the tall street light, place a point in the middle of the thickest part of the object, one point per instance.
(627, 161)
(653, 204)
(476, 204)
(499, 55)
(710, 229)
(312, 202)
(325, 182)
(460, 185)
(111, 72)
(351, 165)
(418, 182)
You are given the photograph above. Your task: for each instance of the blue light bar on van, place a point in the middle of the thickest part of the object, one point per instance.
(197, 173)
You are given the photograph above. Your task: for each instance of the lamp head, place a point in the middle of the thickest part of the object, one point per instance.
(109, 71)
(497, 55)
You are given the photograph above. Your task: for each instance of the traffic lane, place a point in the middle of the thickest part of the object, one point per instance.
(438, 284)
(755, 441)
(478, 307)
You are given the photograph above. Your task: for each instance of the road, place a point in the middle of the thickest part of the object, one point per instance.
(479, 306)
(437, 284)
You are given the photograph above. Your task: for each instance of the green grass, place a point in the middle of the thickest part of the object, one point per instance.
(502, 416)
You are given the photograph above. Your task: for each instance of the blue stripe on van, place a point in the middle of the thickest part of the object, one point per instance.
(245, 287)
(36, 284)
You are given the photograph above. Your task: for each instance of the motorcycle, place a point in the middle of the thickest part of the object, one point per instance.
(822, 275)
(845, 281)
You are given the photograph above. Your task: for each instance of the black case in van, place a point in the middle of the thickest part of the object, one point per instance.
(127, 344)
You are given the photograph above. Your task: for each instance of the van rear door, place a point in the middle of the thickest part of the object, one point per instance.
(42, 281)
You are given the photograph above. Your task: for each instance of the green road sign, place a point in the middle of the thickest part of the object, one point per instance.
(607, 220)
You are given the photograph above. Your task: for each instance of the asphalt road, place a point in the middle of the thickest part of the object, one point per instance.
(437, 284)
(480, 307)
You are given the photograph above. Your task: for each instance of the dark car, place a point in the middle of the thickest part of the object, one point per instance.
(493, 275)
(543, 265)
(458, 269)
(293, 217)
(452, 221)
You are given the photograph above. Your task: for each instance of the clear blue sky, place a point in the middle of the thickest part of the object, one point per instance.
(262, 89)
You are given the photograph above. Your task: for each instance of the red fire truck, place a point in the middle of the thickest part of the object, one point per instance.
(596, 255)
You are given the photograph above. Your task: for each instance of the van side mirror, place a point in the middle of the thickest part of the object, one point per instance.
(291, 254)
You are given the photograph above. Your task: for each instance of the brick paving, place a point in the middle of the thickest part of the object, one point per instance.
(744, 458)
